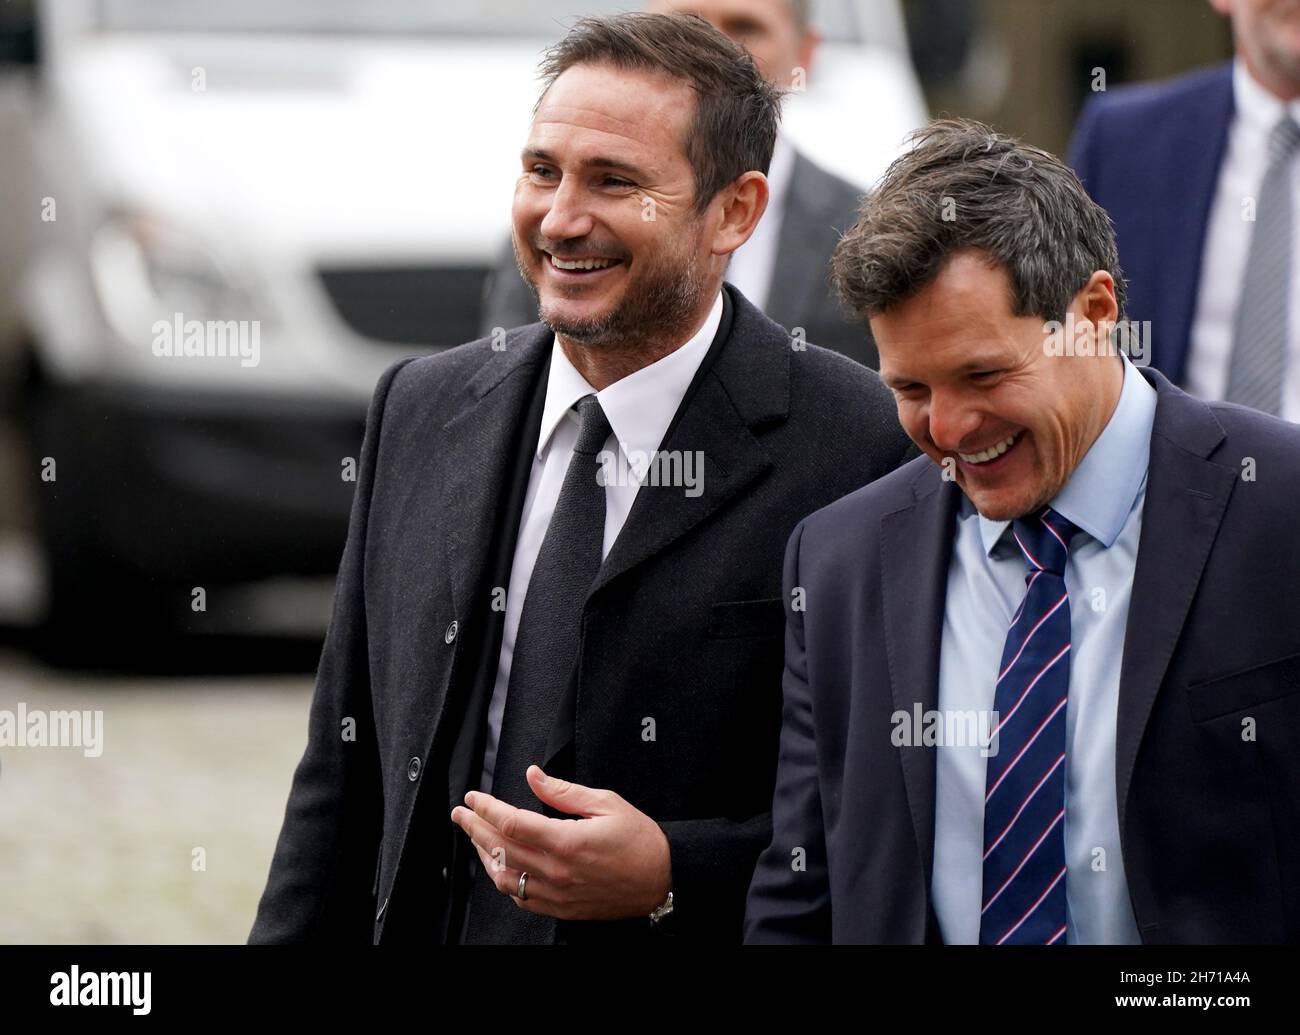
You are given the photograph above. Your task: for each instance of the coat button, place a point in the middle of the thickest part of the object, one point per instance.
(444, 875)
(450, 635)
(413, 768)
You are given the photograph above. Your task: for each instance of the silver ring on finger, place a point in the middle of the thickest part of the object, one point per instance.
(523, 886)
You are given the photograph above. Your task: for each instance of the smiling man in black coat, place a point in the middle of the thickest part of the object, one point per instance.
(783, 267)
(549, 700)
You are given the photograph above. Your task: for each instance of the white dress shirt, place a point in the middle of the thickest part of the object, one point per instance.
(986, 583)
(639, 408)
(754, 262)
(1227, 243)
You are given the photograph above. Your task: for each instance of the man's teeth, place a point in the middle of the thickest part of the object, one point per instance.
(990, 453)
(581, 264)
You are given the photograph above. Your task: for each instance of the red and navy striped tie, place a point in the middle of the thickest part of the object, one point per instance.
(1024, 798)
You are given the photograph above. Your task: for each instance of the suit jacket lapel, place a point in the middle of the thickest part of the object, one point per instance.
(480, 443)
(915, 550)
(744, 380)
(1186, 497)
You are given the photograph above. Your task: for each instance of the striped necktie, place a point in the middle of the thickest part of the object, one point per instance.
(1257, 366)
(1023, 902)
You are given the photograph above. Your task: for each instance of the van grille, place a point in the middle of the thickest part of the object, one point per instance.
(430, 306)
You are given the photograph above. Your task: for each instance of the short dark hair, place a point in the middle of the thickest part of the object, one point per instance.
(736, 110)
(962, 185)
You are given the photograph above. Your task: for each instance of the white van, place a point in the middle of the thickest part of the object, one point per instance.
(231, 217)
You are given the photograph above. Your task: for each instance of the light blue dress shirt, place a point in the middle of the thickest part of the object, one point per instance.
(986, 583)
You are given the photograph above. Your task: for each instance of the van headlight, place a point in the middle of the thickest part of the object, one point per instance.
(145, 270)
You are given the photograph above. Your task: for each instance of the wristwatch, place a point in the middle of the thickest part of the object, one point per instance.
(660, 912)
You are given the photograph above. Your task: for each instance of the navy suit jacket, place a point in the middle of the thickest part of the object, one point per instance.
(1149, 155)
(1208, 803)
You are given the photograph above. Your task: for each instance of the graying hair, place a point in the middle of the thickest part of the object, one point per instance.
(962, 185)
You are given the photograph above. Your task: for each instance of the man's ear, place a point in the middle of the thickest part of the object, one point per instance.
(1097, 298)
(742, 206)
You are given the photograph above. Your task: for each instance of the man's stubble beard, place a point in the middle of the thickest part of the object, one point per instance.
(660, 307)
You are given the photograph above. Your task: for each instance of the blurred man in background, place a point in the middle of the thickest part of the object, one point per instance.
(783, 267)
(526, 631)
(1201, 179)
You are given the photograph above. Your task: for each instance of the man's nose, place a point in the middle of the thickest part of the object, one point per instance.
(568, 215)
(951, 422)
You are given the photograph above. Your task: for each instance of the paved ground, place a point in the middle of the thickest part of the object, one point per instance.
(100, 850)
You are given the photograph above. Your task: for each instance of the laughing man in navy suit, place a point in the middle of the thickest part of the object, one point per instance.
(1042, 684)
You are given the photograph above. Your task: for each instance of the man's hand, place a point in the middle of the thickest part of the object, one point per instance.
(611, 864)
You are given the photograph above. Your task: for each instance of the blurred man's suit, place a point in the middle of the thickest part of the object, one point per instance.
(1174, 164)
(1206, 772)
(683, 625)
(782, 268)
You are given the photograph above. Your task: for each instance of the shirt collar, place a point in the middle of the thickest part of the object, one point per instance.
(641, 405)
(1104, 487)
(1257, 106)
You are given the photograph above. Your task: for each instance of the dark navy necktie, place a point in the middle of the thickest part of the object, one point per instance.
(1024, 800)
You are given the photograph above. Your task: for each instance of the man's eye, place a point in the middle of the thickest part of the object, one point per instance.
(616, 181)
(984, 375)
(541, 170)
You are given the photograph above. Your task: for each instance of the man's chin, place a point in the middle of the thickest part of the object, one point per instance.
(584, 327)
(1002, 506)
(999, 513)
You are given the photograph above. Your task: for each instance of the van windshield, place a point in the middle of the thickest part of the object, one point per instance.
(545, 19)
